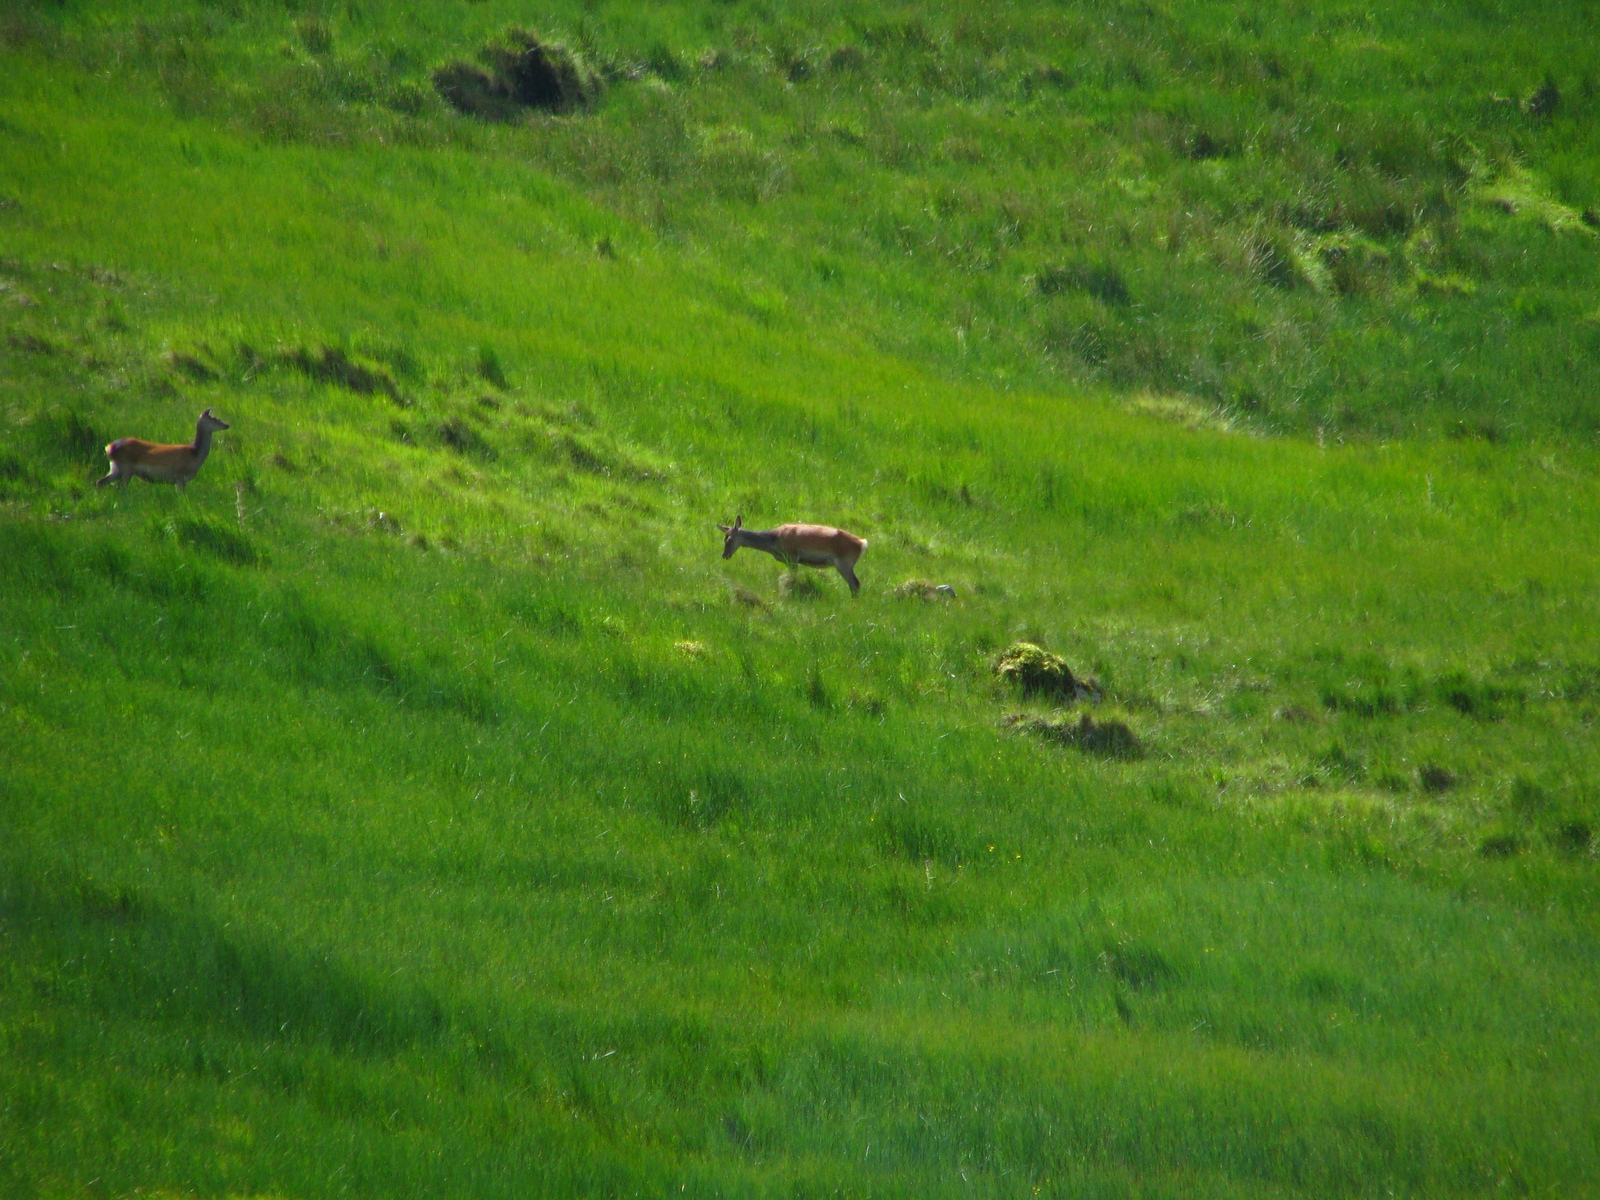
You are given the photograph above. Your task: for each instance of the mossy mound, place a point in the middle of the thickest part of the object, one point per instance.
(1036, 671)
(523, 72)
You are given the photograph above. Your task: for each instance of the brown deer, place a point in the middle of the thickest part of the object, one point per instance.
(800, 545)
(161, 463)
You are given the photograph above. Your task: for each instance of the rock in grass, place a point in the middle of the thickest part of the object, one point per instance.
(1036, 671)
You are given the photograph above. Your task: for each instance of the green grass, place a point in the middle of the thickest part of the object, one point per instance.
(417, 805)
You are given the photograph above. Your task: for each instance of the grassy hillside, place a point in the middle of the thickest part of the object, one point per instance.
(416, 805)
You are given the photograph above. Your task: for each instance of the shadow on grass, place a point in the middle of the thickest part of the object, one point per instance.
(112, 950)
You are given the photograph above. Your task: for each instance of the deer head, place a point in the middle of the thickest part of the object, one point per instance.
(731, 542)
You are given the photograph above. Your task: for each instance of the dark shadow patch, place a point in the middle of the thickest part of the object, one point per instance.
(1102, 280)
(217, 540)
(464, 439)
(1199, 144)
(702, 799)
(317, 649)
(1319, 985)
(1544, 100)
(1476, 698)
(1363, 701)
(1434, 779)
(1105, 737)
(190, 367)
(31, 343)
(183, 968)
(521, 72)
(920, 840)
(1574, 837)
(792, 585)
(582, 455)
(1500, 846)
(918, 903)
(64, 436)
(1272, 257)
(490, 369)
(1339, 763)
(1140, 968)
(328, 364)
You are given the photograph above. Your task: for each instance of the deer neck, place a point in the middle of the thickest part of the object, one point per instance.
(202, 444)
(759, 540)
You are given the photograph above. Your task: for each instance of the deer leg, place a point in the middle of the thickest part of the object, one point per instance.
(850, 578)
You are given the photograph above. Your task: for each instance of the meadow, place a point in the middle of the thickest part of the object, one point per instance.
(417, 805)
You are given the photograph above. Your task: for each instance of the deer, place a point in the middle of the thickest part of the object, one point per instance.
(161, 463)
(800, 545)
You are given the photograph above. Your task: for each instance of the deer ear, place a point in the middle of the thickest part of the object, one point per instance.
(207, 413)
(738, 522)
(725, 529)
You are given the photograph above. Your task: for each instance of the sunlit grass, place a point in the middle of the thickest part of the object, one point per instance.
(417, 804)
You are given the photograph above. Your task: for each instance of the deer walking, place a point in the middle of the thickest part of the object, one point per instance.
(161, 463)
(800, 545)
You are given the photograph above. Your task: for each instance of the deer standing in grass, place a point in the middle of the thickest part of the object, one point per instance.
(160, 463)
(800, 545)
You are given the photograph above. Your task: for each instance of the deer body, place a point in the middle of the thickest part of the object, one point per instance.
(800, 545)
(161, 463)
